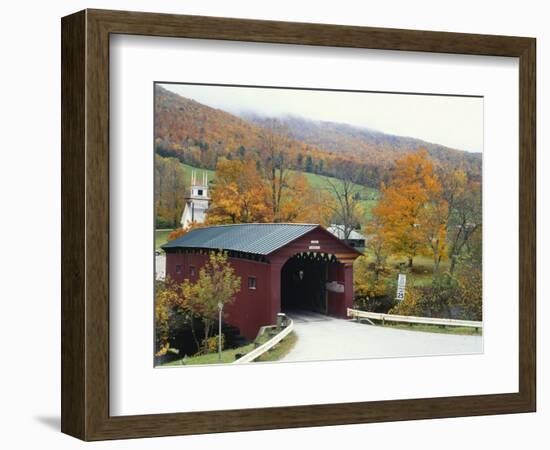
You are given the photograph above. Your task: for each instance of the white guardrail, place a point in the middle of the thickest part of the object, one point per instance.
(257, 352)
(413, 319)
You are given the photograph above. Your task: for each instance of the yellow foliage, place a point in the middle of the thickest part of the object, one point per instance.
(365, 282)
(216, 284)
(242, 195)
(411, 305)
(303, 204)
(167, 299)
(182, 231)
(411, 215)
(239, 195)
(211, 344)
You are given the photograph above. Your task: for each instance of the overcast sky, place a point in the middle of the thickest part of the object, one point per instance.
(456, 122)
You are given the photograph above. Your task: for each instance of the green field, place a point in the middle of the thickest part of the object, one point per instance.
(421, 273)
(161, 237)
(368, 196)
(187, 174)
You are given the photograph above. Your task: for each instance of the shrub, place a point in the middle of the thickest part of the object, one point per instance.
(211, 344)
(447, 297)
(470, 300)
(163, 222)
(372, 292)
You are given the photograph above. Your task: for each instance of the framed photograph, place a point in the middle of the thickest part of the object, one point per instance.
(272, 225)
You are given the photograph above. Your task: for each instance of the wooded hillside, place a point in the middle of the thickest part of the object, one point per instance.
(198, 135)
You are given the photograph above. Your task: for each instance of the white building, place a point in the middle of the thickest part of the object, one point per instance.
(355, 238)
(196, 203)
(160, 266)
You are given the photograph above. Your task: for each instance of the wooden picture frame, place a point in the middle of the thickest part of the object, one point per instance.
(85, 224)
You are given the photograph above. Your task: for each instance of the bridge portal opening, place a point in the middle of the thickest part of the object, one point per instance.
(303, 282)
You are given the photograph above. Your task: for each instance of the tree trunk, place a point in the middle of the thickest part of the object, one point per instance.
(437, 260)
(194, 333)
(206, 336)
(453, 264)
(273, 193)
(410, 264)
(436, 266)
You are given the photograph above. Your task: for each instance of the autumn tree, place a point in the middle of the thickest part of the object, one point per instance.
(378, 242)
(464, 213)
(173, 311)
(433, 219)
(400, 211)
(299, 161)
(470, 281)
(216, 283)
(169, 191)
(242, 195)
(309, 164)
(346, 210)
(165, 299)
(275, 144)
(301, 203)
(239, 194)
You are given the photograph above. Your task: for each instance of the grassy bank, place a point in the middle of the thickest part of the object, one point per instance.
(280, 350)
(426, 328)
(230, 355)
(421, 273)
(199, 174)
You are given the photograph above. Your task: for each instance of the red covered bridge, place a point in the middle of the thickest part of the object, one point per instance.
(283, 267)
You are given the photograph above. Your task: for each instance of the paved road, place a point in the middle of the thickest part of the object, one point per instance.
(326, 338)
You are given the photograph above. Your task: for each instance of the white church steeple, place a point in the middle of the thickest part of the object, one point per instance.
(199, 190)
(196, 203)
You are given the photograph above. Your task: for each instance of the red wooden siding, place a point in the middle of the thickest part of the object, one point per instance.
(251, 306)
(254, 308)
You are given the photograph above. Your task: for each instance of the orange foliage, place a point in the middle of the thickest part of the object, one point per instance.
(239, 194)
(199, 135)
(181, 231)
(411, 210)
(242, 195)
(304, 204)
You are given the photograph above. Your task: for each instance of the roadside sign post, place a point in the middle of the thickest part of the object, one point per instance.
(401, 283)
(220, 309)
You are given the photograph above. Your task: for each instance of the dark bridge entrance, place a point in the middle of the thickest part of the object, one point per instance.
(303, 282)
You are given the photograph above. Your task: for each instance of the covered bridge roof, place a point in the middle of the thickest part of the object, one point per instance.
(257, 238)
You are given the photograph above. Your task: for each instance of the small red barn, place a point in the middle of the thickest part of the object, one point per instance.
(283, 267)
